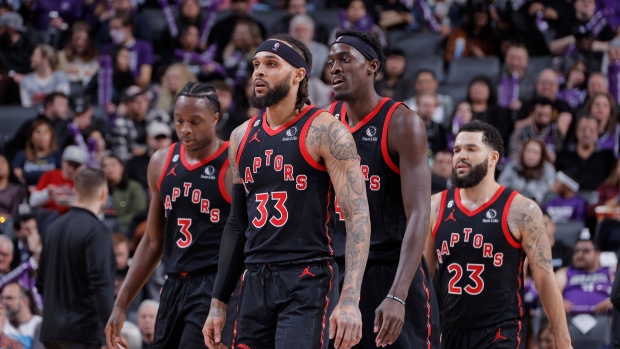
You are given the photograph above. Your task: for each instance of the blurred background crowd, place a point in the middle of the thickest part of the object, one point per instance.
(92, 83)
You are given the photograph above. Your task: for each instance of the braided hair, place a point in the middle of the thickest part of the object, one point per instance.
(201, 91)
(299, 47)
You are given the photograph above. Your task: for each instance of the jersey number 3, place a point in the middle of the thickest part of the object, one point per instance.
(475, 270)
(186, 240)
(262, 198)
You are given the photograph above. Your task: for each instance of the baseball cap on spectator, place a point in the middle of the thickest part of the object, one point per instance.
(75, 154)
(131, 92)
(79, 105)
(158, 129)
(13, 20)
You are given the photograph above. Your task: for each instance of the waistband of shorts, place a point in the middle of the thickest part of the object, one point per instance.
(289, 264)
(193, 274)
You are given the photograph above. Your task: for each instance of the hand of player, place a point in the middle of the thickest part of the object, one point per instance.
(113, 329)
(212, 330)
(389, 320)
(345, 324)
(603, 307)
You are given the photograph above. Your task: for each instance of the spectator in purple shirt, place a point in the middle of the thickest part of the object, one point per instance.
(140, 52)
(567, 206)
(58, 14)
(614, 18)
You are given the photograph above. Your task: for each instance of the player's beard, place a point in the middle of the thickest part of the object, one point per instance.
(473, 178)
(273, 96)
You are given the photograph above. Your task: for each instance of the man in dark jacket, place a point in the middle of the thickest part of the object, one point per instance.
(76, 274)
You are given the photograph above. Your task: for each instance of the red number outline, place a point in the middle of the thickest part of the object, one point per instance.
(281, 197)
(475, 275)
(262, 210)
(186, 240)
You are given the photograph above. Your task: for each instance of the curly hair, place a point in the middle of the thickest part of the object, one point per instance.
(490, 135)
(369, 38)
(299, 47)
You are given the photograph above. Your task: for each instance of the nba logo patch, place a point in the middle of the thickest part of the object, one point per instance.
(276, 46)
(256, 123)
(175, 158)
(450, 203)
(340, 37)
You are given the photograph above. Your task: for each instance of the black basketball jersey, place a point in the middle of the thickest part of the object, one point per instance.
(480, 262)
(380, 169)
(288, 192)
(197, 207)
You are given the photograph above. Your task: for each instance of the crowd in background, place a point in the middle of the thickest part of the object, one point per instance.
(99, 79)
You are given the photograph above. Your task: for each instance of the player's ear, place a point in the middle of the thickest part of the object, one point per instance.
(216, 118)
(373, 66)
(300, 75)
(493, 158)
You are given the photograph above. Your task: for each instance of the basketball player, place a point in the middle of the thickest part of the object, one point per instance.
(190, 200)
(283, 161)
(397, 291)
(480, 234)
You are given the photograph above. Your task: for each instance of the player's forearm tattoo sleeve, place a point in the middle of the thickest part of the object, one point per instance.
(346, 175)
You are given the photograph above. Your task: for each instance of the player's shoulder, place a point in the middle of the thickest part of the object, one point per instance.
(523, 214)
(160, 156)
(237, 134)
(325, 117)
(405, 122)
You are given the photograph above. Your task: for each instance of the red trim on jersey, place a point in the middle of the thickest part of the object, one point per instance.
(323, 322)
(366, 119)
(273, 132)
(457, 198)
(327, 219)
(189, 167)
(221, 181)
(519, 334)
(509, 237)
(428, 310)
(444, 197)
(332, 108)
(237, 310)
(302, 144)
(166, 164)
(384, 140)
(519, 300)
(245, 137)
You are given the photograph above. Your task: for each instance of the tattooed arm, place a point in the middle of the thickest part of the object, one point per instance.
(231, 249)
(525, 221)
(430, 252)
(329, 141)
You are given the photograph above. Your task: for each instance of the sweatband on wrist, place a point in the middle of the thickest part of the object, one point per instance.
(286, 52)
(359, 44)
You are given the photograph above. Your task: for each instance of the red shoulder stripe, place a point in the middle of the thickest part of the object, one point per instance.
(384, 139)
(166, 164)
(442, 204)
(509, 237)
(245, 137)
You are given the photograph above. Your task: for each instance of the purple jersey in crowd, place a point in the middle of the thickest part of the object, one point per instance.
(563, 210)
(613, 19)
(609, 141)
(140, 53)
(68, 10)
(586, 290)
